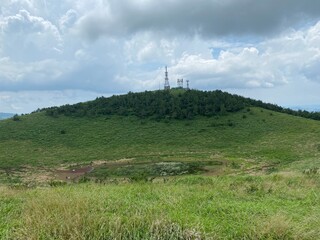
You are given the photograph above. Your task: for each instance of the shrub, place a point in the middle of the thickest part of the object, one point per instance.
(16, 117)
(55, 183)
(230, 123)
(235, 165)
(139, 177)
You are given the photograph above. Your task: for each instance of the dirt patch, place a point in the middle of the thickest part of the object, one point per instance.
(73, 174)
(214, 171)
(261, 169)
(105, 162)
(103, 169)
(38, 177)
(27, 175)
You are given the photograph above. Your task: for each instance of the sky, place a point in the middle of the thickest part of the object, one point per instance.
(55, 52)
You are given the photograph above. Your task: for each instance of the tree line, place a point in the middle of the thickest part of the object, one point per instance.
(169, 104)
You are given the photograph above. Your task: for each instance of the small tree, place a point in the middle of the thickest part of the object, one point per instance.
(63, 131)
(16, 117)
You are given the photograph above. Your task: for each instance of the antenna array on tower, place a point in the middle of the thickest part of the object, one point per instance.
(180, 83)
(166, 80)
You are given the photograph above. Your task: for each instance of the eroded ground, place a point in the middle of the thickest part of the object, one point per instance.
(130, 169)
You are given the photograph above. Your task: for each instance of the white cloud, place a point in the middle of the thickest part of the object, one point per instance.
(244, 69)
(28, 101)
(287, 59)
(237, 44)
(43, 74)
(68, 20)
(147, 48)
(27, 37)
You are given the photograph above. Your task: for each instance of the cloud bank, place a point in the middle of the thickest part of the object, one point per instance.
(206, 18)
(109, 46)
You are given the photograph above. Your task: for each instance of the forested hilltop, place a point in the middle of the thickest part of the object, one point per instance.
(176, 104)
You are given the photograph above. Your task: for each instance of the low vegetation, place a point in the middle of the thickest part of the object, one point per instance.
(149, 171)
(277, 206)
(41, 141)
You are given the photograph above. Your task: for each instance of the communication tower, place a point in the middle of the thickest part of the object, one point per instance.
(180, 83)
(188, 88)
(166, 80)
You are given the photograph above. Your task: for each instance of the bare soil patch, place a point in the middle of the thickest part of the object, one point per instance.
(73, 174)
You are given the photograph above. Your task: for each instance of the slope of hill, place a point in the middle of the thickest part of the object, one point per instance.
(194, 129)
(252, 134)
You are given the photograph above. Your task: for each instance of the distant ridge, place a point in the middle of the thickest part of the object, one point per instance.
(309, 108)
(6, 115)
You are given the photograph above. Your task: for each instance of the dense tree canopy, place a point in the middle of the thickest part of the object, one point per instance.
(176, 104)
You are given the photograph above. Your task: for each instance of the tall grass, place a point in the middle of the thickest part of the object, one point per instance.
(9, 211)
(244, 207)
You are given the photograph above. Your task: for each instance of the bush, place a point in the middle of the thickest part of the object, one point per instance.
(55, 183)
(139, 177)
(235, 165)
(16, 117)
(230, 123)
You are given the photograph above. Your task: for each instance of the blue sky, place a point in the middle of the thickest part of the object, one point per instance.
(54, 52)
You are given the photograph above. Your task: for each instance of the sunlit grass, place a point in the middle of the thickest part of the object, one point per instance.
(248, 207)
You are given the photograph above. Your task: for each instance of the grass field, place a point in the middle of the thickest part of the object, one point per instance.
(249, 175)
(255, 135)
(277, 206)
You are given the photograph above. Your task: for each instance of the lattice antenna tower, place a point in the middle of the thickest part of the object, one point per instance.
(166, 80)
(180, 83)
(188, 85)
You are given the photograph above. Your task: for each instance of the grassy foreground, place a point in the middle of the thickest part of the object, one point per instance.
(277, 206)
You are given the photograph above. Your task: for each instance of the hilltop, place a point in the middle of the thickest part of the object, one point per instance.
(172, 104)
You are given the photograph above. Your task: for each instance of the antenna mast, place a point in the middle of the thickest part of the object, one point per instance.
(188, 85)
(166, 80)
(180, 83)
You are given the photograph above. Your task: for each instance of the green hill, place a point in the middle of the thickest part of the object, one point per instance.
(223, 127)
(216, 167)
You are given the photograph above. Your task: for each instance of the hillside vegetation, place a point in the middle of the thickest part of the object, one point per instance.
(197, 169)
(173, 104)
(252, 134)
